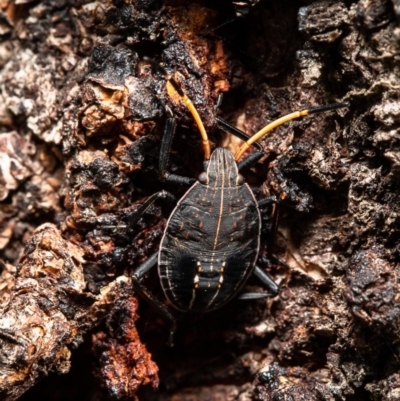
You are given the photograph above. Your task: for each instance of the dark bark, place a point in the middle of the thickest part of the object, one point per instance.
(81, 119)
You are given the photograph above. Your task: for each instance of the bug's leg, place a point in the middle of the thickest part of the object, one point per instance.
(279, 261)
(271, 200)
(137, 214)
(149, 297)
(169, 133)
(269, 283)
(264, 277)
(274, 228)
(249, 161)
(218, 102)
(149, 202)
(274, 201)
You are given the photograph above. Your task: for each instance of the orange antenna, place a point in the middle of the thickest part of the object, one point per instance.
(195, 114)
(297, 114)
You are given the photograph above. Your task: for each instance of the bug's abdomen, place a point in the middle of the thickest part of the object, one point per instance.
(209, 247)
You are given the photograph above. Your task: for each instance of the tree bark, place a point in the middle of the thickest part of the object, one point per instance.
(82, 112)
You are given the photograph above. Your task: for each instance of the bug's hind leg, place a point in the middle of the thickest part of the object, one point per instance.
(266, 279)
(269, 283)
(150, 298)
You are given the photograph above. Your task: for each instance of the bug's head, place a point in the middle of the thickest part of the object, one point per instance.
(221, 170)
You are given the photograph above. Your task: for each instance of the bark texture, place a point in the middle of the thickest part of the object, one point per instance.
(82, 113)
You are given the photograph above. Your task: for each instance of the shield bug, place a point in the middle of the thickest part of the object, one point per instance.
(211, 241)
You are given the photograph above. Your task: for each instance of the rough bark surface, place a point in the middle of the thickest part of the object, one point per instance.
(82, 113)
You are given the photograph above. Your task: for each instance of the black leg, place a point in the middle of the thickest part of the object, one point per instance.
(149, 202)
(279, 261)
(149, 297)
(268, 283)
(218, 102)
(169, 133)
(145, 267)
(274, 229)
(266, 279)
(259, 273)
(274, 201)
(137, 214)
(269, 200)
(250, 160)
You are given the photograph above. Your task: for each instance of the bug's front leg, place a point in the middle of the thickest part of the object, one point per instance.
(149, 297)
(169, 133)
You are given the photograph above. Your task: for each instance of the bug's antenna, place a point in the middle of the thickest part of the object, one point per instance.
(297, 114)
(194, 113)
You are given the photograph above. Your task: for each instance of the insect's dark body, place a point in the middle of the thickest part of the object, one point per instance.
(212, 239)
(211, 242)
